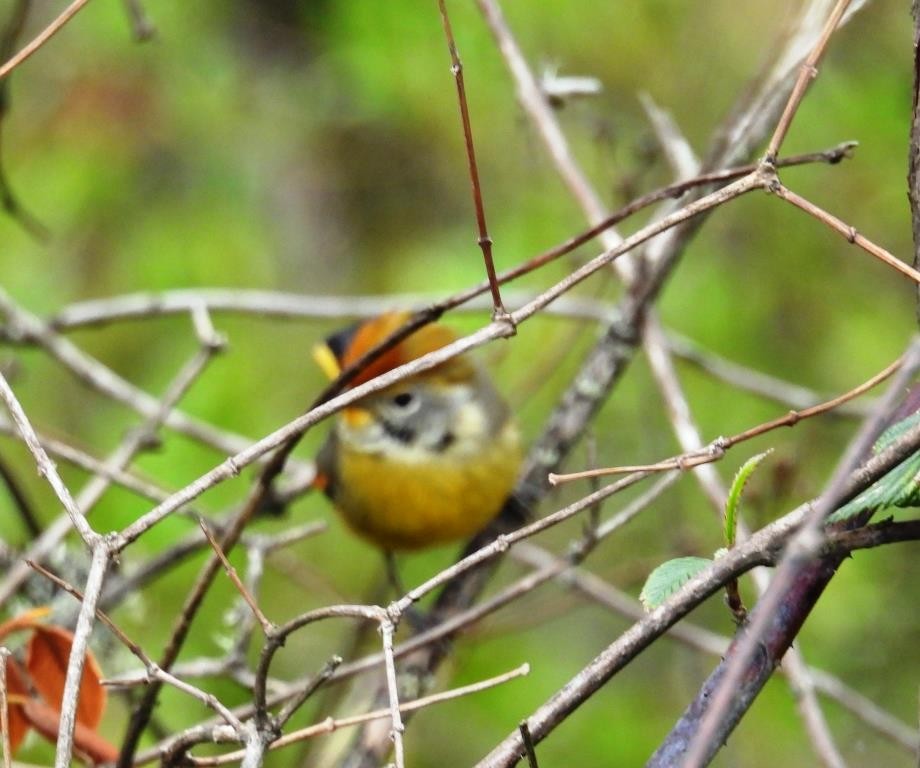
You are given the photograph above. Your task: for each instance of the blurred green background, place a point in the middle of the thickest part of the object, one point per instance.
(315, 147)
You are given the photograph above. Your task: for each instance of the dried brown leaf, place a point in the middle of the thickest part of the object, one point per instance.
(47, 721)
(17, 692)
(47, 655)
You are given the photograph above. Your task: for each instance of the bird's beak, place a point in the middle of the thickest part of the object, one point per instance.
(356, 417)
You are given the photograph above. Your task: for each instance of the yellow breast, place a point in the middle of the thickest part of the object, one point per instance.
(433, 500)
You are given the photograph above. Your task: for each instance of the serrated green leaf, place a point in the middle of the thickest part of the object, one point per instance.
(734, 495)
(668, 577)
(898, 488)
(895, 431)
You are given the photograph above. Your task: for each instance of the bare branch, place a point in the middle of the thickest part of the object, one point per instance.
(82, 632)
(266, 624)
(807, 73)
(330, 725)
(5, 712)
(485, 242)
(43, 37)
(46, 467)
(716, 449)
(802, 571)
(849, 233)
(744, 556)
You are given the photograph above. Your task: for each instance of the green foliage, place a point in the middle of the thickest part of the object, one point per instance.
(324, 156)
(898, 488)
(669, 577)
(734, 495)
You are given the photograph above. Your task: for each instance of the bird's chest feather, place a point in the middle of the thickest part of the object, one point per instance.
(406, 502)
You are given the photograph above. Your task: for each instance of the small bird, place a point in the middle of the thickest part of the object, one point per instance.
(427, 461)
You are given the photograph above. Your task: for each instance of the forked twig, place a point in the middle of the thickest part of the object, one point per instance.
(807, 72)
(330, 725)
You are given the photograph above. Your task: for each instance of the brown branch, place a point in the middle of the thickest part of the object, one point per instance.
(329, 725)
(913, 149)
(716, 450)
(799, 581)
(266, 624)
(485, 242)
(762, 548)
(529, 749)
(141, 715)
(807, 72)
(849, 233)
(136, 650)
(277, 304)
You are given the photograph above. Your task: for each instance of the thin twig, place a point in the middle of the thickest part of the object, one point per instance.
(20, 502)
(308, 690)
(8, 197)
(46, 467)
(807, 73)
(485, 242)
(153, 671)
(802, 554)
(5, 712)
(387, 629)
(529, 749)
(715, 450)
(330, 725)
(85, 621)
(43, 37)
(266, 624)
(849, 233)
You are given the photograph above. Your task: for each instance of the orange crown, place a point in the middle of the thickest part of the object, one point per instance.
(343, 348)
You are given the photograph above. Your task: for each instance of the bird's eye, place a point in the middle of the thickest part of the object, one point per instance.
(403, 399)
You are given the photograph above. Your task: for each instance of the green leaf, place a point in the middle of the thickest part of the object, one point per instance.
(734, 495)
(668, 577)
(898, 488)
